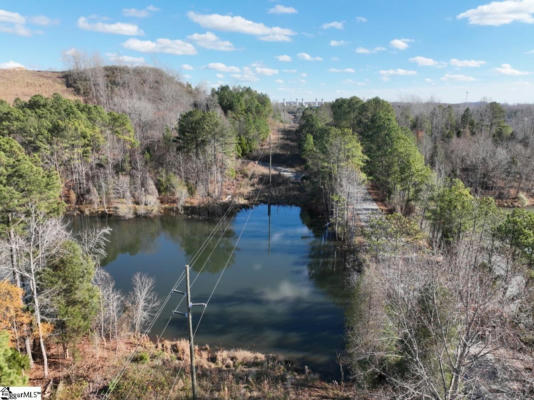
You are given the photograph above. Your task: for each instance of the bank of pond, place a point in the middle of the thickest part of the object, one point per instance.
(286, 287)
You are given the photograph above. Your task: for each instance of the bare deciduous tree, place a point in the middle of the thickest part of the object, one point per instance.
(143, 301)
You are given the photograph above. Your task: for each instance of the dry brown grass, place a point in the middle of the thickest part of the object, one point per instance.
(162, 371)
(25, 84)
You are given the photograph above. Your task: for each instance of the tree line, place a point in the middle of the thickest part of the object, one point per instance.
(141, 138)
(57, 153)
(486, 145)
(447, 281)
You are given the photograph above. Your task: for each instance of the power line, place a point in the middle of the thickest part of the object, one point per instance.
(193, 260)
(192, 334)
(215, 286)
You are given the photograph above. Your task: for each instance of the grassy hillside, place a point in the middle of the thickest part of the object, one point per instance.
(24, 84)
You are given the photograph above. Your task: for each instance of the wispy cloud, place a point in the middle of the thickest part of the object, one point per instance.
(283, 58)
(262, 70)
(364, 50)
(426, 62)
(457, 78)
(142, 13)
(247, 75)
(117, 28)
(168, 46)
(400, 44)
(11, 65)
(387, 74)
(466, 63)
(187, 67)
(338, 43)
(307, 57)
(361, 19)
(127, 60)
(500, 13)
(17, 24)
(43, 20)
(280, 9)
(217, 66)
(506, 69)
(345, 70)
(210, 41)
(239, 24)
(334, 25)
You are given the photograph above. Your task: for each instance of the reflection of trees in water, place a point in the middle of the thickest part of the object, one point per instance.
(327, 268)
(190, 235)
(137, 235)
(130, 236)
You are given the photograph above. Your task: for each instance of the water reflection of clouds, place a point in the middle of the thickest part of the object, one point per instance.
(286, 291)
(294, 234)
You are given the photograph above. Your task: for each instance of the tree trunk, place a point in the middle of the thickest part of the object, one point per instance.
(38, 316)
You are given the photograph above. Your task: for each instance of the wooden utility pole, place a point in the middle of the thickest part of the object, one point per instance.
(270, 155)
(191, 338)
(189, 315)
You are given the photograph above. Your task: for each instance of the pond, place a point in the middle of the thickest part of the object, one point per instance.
(284, 290)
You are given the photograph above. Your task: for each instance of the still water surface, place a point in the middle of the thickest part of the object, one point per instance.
(283, 291)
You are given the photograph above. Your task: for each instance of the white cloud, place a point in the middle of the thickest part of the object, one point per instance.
(143, 13)
(210, 41)
(364, 50)
(279, 81)
(118, 28)
(400, 44)
(353, 82)
(187, 67)
(280, 9)
(290, 71)
(13, 22)
(284, 58)
(457, 77)
(347, 70)
(466, 63)
(239, 24)
(387, 74)
(72, 52)
(128, 60)
(260, 70)
(168, 46)
(11, 64)
(247, 75)
(43, 20)
(304, 74)
(361, 19)
(530, 52)
(500, 13)
(20, 30)
(219, 76)
(12, 17)
(217, 66)
(506, 69)
(307, 57)
(424, 61)
(334, 25)
(337, 43)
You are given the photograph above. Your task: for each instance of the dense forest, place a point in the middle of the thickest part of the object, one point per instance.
(486, 145)
(441, 296)
(448, 282)
(148, 138)
(140, 138)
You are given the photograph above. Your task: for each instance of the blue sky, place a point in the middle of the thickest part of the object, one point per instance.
(399, 50)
